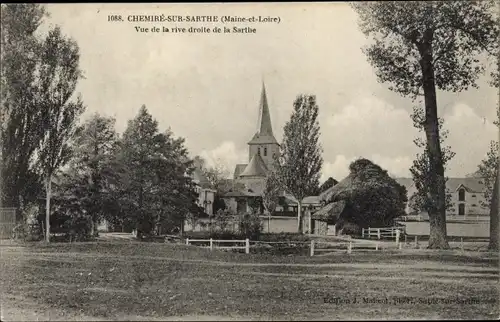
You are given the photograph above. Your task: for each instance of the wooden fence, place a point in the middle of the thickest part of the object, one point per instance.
(382, 233)
(315, 247)
(215, 243)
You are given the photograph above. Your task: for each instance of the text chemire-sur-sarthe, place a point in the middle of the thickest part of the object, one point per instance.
(178, 18)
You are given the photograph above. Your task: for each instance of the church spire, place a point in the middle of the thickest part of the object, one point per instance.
(264, 127)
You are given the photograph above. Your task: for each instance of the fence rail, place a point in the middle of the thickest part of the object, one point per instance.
(379, 233)
(218, 241)
(346, 244)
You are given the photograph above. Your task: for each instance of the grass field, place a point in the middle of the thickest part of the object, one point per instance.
(129, 280)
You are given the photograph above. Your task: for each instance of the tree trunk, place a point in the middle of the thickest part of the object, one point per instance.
(299, 217)
(436, 180)
(47, 208)
(494, 210)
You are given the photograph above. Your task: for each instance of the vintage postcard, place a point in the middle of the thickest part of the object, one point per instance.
(250, 161)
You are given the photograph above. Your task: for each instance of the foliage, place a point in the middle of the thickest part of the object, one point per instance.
(420, 201)
(35, 72)
(156, 187)
(488, 167)
(420, 46)
(373, 198)
(271, 192)
(251, 226)
(299, 163)
(222, 219)
(330, 182)
(94, 169)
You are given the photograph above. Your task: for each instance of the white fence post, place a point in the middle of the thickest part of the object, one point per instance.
(312, 247)
(399, 246)
(211, 244)
(349, 248)
(362, 233)
(376, 246)
(187, 241)
(378, 233)
(397, 236)
(416, 241)
(247, 246)
(462, 243)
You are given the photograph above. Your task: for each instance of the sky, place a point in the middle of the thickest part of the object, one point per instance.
(206, 86)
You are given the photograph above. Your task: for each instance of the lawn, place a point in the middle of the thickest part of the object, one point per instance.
(132, 280)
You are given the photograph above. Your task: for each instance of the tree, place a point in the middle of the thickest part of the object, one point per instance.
(271, 192)
(330, 182)
(156, 184)
(299, 163)
(59, 75)
(20, 112)
(421, 200)
(421, 46)
(488, 171)
(94, 169)
(372, 198)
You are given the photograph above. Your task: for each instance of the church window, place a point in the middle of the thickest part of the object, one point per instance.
(258, 151)
(265, 151)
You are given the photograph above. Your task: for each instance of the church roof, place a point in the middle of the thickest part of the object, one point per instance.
(256, 168)
(238, 170)
(264, 132)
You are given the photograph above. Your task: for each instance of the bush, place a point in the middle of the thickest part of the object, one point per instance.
(251, 226)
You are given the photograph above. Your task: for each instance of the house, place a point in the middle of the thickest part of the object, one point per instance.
(467, 199)
(206, 198)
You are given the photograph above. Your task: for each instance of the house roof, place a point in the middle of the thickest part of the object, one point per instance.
(238, 170)
(330, 212)
(471, 184)
(201, 179)
(256, 167)
(343, 185)
(309, 200)
(264, 132)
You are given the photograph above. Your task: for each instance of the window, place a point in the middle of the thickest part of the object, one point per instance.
(258, 151)
(265, 151)
(473, 196)
(461, 209)
(461, 195)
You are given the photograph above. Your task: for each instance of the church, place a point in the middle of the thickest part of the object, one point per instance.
(249, 178)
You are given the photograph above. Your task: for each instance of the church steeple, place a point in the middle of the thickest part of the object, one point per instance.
(264, 123)
(264, 132)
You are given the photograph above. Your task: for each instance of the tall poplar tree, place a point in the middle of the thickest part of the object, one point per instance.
(59, 74)
(299, 163)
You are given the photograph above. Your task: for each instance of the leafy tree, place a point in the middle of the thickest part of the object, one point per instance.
(421, 201)
(420, 46)
(299, 163)
(330, 182)
(271, 192)
(59, 75)
(157, 181)
(21, 114)
(94, 169)
(372, 197)
(489, 166)
(488, 171)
